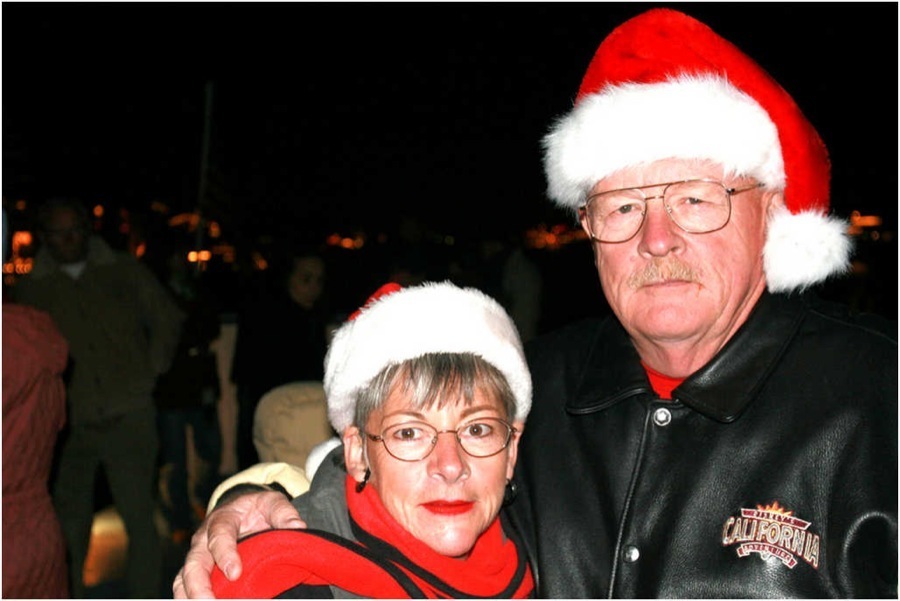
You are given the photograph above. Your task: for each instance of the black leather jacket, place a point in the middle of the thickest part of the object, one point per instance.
(772, 473)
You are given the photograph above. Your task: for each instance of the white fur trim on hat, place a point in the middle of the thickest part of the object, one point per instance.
(690, 117)
(409, 323)
(694, 117)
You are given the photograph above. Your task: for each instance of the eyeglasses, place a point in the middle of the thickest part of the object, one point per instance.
(697, 206)
(414, 441)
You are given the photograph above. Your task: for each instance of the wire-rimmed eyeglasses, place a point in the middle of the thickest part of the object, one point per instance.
(697, 206)
(414, 441)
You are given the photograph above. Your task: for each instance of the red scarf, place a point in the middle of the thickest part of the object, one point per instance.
(387, 562)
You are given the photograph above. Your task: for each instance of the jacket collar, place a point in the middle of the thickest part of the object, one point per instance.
(722, 389)
(99, 253)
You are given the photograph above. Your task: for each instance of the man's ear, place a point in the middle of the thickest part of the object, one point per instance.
(582, 219)
(774, 203)
(354, 457)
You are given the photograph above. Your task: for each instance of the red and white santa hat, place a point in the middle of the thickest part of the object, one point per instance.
(664, 85)
(397, 324)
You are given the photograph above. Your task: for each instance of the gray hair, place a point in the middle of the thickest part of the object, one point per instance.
(435, 379)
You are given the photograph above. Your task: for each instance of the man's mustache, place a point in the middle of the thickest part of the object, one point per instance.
(659, 271)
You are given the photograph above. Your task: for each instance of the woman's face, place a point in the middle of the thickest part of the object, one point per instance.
(307, 280)
(449, 498)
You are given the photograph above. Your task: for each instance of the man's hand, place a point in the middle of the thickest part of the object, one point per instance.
(215, 542)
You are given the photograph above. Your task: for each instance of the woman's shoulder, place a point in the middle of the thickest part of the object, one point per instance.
(324, 505)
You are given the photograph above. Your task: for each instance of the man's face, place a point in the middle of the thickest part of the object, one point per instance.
(681, 290)
(66, 236)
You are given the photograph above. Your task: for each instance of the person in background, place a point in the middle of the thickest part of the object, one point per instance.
(724, 433)
(122, 326)
(186, 400)
(35, 356)
(294, 317)
(406, 511)
(514, 279)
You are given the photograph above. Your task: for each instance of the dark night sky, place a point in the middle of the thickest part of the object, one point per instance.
(338, 114)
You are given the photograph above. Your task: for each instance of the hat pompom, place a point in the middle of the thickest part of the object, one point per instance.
(803, 249)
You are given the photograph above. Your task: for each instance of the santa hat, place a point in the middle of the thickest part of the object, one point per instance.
(397, 324)
(663, 85)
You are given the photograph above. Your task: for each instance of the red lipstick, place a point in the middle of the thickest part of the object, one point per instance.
(449, 507)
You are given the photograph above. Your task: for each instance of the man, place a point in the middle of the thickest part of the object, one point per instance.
(724, 434)
(122, 327)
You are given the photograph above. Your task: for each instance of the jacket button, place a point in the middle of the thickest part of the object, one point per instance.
(662, 417)
(630, 554)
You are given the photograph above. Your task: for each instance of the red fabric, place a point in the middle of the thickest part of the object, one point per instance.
(386, 289)
(662, 384)
(34, 411)
(278, 560)
(490, 566)
(662, 42)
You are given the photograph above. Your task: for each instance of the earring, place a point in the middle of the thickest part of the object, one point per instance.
(361, 485)
(509, 494)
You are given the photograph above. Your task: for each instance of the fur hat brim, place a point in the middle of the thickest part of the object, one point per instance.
(411, 322)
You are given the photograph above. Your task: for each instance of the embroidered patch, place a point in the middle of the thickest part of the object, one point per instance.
(772, 531)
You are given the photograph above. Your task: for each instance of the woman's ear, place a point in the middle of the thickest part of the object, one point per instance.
(354, 457)
(513, 449)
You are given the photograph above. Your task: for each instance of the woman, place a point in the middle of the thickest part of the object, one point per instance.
(429, 388)
(35, 355)
(295, 315)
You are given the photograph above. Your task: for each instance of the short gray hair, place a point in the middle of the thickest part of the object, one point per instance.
(435, 379)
